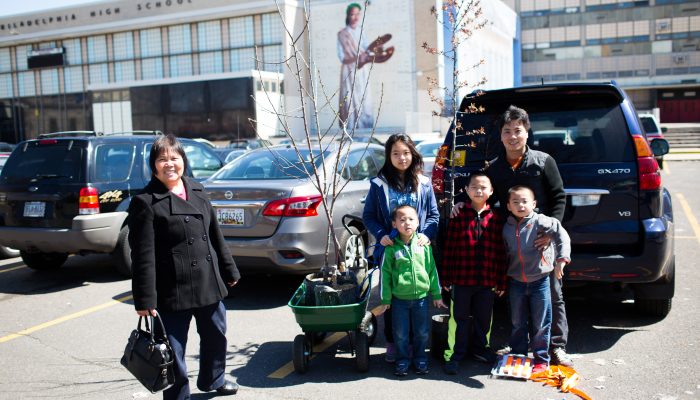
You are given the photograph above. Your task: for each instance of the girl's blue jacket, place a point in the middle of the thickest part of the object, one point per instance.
(377, 215)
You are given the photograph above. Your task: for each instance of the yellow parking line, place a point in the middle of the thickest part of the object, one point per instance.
(288, 368)
(689, 214)
(64, 319)
(12, 269)
(666, 169)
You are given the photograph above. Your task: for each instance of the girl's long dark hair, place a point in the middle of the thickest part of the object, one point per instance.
(391, 174)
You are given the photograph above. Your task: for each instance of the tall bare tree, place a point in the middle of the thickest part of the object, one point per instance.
(461, 19)
(314, 99)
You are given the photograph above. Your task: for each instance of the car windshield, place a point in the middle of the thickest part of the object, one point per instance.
(264, 164)
(428, 149)
(649, 125)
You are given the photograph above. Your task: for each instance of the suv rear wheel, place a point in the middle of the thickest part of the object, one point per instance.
(655, 298)
(122, 253)
(43, 261)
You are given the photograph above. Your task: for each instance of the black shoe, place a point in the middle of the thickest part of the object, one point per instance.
(401, 370)
(422, 368)
(485, 356)
(451, 367)
(228, 388)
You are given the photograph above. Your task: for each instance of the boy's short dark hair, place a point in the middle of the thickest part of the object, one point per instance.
(514, 113)
(520, 187)
(477, 174)
(393, 213)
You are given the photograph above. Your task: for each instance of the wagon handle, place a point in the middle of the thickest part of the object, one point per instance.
(353, 218)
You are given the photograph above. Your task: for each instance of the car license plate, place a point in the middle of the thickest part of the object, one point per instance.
(35, 209)
(230, 216)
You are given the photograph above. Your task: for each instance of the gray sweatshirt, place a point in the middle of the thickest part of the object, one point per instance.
(525, 262)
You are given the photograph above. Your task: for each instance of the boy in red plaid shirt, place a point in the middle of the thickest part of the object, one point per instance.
(474, 265)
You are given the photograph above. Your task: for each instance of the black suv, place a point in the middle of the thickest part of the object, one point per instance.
(66, 193)
(618, 214)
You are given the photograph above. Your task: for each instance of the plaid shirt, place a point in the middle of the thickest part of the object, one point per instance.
(474, 252)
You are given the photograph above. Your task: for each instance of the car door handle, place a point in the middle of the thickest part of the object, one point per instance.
(363, 200)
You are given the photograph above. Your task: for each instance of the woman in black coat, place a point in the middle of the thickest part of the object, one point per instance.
(181, 266)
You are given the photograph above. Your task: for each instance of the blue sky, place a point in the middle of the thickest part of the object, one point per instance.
(12, 7)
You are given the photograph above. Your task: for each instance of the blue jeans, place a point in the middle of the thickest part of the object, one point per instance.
(531, 306)
(407, 314)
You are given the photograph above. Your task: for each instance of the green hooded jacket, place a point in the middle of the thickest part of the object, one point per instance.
(408, 272)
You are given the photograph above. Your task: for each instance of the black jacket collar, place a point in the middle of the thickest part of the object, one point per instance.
(195, 196)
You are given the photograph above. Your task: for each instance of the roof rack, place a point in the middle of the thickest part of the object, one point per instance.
(69, 134)
(138, 132)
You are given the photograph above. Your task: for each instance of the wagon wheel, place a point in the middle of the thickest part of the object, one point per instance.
(369, 326)
(302, 353)
(362, 351)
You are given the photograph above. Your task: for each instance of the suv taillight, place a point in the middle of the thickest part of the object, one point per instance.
(648, 168)
(439, 169)
(88, 202)
(304, 206)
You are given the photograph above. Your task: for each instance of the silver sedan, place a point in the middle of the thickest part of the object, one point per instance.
(272, 215)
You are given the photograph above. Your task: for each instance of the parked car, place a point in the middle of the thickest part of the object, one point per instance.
(69, 193)
(227, 154)
(654, 131)
(618, 213)
(428, 148)
(6, 252)
(270, 212)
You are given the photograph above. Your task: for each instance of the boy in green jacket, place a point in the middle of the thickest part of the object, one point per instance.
(408, 277)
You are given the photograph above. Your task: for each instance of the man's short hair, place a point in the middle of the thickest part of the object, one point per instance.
(393, 213)
(514, 113)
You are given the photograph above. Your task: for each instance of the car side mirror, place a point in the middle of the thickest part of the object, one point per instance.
(659, 147)
(664, 129)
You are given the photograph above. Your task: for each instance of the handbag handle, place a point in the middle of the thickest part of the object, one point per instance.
(150, 328)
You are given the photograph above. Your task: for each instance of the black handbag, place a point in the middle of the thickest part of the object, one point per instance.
(150, 358)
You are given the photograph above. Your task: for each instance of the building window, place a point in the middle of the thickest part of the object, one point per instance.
(6, 86)
(241, 32)
(5, 64)
(74, 55)
(179, 39)
(124, 71)
(73, 79)
(49, 81)
(272, 57)
(209, 35)
(123, 44)
(272, 29)
(181, 65)
(97, 49)
(150, 42)
(98, 74)
(26, 83)
(242, 59)
(211, 63)
(152, 68)
(21, 52)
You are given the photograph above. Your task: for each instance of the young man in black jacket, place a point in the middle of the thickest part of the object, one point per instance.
(520, 165)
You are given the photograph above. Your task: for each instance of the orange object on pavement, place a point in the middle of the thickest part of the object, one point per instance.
(561, 377)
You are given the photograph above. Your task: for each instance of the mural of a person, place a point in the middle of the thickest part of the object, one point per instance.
(355, 106)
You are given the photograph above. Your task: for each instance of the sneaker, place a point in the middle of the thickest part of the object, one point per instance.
(485, 356)
(505, 350)
(390, 355)
(539, 368)
(451, 367)
(401, 370)
(422, 368)
(559, 357)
